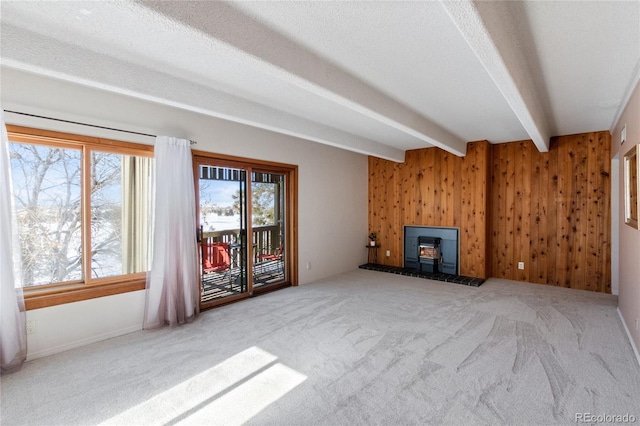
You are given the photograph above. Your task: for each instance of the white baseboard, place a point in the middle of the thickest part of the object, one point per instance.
(82, 342)
(626, 329)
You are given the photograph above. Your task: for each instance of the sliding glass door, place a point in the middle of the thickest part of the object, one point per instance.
(243, 229)
(222, 232)
(268, 201)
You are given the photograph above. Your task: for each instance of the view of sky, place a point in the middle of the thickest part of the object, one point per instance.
(218, 192)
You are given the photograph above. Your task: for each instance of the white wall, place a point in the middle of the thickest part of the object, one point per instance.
(629, 238)
(615, 225)
(64, 327)
(332, 196)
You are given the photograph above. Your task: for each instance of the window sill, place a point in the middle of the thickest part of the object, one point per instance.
(43, 298)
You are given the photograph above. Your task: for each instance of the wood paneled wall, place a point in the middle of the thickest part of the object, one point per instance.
(552, 211)
(433, 188)
(512, 203)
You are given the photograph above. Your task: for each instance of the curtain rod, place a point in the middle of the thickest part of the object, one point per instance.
(89, 125)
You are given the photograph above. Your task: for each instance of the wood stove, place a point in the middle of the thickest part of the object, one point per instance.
(429, 253)
(448, 254)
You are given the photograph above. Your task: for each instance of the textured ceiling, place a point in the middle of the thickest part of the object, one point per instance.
(373, 77)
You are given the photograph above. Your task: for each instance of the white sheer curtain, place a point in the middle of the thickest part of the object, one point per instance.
(13, 331)
(172, 283)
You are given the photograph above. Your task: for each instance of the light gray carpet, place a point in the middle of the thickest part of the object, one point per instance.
(360, 348)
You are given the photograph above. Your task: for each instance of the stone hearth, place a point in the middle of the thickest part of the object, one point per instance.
(438, 276)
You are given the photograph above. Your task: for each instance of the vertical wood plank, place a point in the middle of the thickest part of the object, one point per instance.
(468, 249)
(592, 199)
(525, 221)
(542, 241)
(465, 214)
(518, 211)
(510, 192)
(552, 215)
(565, 249)
(486, 183)
(535, 203)
(430, 182)
(579, 215)
(499, 177)
(397, 254)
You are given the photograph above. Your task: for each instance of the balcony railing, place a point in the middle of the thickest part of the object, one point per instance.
(266, 238)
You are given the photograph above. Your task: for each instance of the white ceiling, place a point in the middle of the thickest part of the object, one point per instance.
(372, 77)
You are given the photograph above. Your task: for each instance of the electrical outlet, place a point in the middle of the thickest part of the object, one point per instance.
(31, 326)
(308, 265)
(388, 253)
(520, 265)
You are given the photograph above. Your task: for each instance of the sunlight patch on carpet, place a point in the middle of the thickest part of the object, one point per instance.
(229, 393)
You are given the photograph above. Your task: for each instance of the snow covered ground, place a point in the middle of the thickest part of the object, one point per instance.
(213, 222)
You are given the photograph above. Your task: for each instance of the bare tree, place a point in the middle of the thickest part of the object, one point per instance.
(48, 197)
(106, 213)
